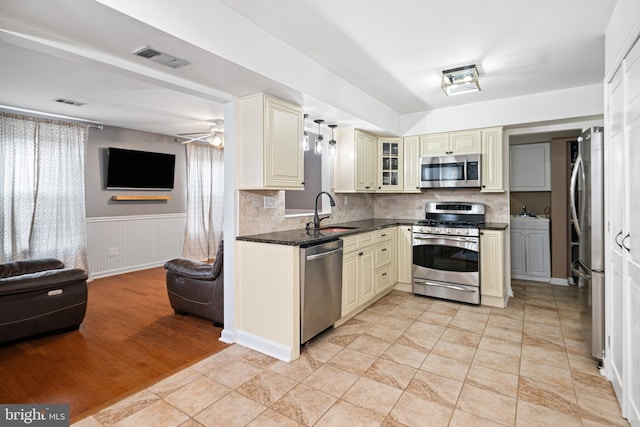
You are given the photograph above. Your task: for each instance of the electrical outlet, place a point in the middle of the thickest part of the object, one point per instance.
(114, 251)
(270, 202)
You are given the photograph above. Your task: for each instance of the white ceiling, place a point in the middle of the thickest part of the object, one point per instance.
(387, 54)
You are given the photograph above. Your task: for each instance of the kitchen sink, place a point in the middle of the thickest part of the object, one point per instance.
(336, 229)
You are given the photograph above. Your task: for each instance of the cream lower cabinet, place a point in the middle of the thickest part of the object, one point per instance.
(405, 254)
(492, 276)
(367, 270)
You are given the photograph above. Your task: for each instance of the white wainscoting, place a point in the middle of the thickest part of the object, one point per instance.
(121, 244)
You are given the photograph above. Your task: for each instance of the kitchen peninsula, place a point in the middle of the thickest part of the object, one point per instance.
(267, 306)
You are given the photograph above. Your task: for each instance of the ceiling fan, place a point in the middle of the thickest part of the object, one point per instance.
(215, 135)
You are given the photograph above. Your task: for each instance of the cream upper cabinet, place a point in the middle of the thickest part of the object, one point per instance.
(492, 179)
(530, 167)
(366, 148)
(411, 164)
(436, 144)
(356, 161)
(492, 275)
(268, 142)
(451, 143)
(390, 164)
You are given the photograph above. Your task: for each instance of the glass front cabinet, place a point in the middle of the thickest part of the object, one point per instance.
(390, 164)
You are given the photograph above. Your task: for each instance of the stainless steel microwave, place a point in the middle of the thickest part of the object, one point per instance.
(450, 171)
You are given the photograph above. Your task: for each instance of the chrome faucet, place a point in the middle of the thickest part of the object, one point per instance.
(316, 217)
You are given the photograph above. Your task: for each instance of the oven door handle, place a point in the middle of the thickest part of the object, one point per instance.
(453, 238)
(442, 285)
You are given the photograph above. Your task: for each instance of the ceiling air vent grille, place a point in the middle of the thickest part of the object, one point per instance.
(155, 55)
(69, 102)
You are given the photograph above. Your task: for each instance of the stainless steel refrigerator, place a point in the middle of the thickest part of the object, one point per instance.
(587, 216)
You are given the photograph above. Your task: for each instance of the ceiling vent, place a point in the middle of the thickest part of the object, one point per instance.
(155, 55)
(69, 102)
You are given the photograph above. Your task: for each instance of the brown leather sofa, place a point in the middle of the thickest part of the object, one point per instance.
(197, 288)
(40, 295)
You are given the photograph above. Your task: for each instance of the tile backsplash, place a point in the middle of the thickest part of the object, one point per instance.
(255, 219)
(398, 206)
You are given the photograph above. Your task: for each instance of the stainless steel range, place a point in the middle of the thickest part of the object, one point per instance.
(446, 251)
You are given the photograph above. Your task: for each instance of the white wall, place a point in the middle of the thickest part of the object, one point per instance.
(623, 28)
(546, 106)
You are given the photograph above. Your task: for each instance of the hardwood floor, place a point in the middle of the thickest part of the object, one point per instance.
(129, 339)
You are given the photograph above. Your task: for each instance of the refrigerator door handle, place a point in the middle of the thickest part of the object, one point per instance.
(577, 268)
(572, 195)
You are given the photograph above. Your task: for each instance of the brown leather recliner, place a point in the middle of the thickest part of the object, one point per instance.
(40, 295)
(197, 288)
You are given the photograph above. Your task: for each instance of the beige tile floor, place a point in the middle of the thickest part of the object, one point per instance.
(405, 361)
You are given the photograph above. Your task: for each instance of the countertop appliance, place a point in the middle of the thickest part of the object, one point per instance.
(446, 251)
(587, 216)
(321, 287)
(461, 171)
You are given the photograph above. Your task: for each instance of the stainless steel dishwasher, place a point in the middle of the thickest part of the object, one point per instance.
(321, 287)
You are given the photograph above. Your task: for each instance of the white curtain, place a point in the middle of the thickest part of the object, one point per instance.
(42, 181)
(205, 194)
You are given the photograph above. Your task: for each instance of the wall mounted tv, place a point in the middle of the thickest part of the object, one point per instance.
(139, 170)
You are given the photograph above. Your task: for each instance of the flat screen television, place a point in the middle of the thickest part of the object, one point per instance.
(139, 170)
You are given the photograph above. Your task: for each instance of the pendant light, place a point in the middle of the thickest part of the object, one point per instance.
(305, 137)
(320, 137)
(332, 142)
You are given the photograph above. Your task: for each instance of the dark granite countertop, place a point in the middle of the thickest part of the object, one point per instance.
(301, 237)
(495, 226)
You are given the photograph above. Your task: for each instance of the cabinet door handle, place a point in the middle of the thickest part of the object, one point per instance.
(616, 239)
(361, 253)
(384, 249)
(384, 274)
(624, 239)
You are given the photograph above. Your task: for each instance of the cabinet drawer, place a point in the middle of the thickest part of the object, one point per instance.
(349, 243)
(382, 278)
(357, 241)
(383, 235)
(382, 254)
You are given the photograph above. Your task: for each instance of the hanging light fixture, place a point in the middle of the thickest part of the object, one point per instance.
(216, 137)
(305, 137)
(460, 80)
(320, 137)
(332, 142)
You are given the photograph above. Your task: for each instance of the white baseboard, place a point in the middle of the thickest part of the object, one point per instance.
(227, 337)
(263, 345)
(401, 286)
(128, 269)
(560, 282)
